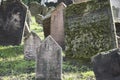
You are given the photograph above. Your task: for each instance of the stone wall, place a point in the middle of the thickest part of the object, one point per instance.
(89, 29)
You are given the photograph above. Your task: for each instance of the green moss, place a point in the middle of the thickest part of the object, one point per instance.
(80, 9)
(87, 29)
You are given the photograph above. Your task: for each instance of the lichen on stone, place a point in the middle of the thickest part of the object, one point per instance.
(87, 29)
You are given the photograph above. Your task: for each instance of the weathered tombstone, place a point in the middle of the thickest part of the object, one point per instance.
(89, 29)
(115, 4)
(30, 46)
(39, 18)
(116, 9)
(106, 65)
(49, 60)
(37, 8)
(12, 21)
(56, 25)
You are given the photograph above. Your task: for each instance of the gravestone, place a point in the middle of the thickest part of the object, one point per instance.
(12, 21)
(49, 60)
(30, 46)
(55, 26)
(106, 65)
(37, 8)
(116, 9)
(89, 29)
(115, 4)
(39, 18)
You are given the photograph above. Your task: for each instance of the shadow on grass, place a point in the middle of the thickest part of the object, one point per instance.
(16, 67)
(75, 65)
(11, 62)
(10, 51)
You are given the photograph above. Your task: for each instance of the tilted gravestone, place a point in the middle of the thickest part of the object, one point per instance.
(30, 46)
(116, 9)
(106, 65)
(115, 4)
(89, 29)
(49, 60)
(55, 24)
(12, 20)
(37, 8)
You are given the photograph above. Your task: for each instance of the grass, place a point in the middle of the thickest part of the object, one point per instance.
(13, 66)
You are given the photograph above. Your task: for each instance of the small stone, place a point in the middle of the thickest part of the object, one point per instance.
(31, 45)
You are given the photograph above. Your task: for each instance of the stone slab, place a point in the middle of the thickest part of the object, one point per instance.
(49, 60)
(89, 29)
(116, 9)
(12, 21)
(57, 24)
(31, 44)
(54, 24)
(106, 65)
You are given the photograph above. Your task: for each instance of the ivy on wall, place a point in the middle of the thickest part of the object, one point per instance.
(88, 29)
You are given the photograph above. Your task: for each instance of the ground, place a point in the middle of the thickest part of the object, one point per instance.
(13, 66)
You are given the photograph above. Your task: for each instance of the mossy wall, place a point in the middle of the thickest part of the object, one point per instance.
(88, 29)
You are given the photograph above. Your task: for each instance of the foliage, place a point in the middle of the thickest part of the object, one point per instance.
(87, 29)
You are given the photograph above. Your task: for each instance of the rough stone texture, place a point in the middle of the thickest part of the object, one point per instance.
(49, 60)
(57, 24)
(12, 20)
(31, 45)
(39, 18)
(106, 65)
(89, 29)
(36, 8)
